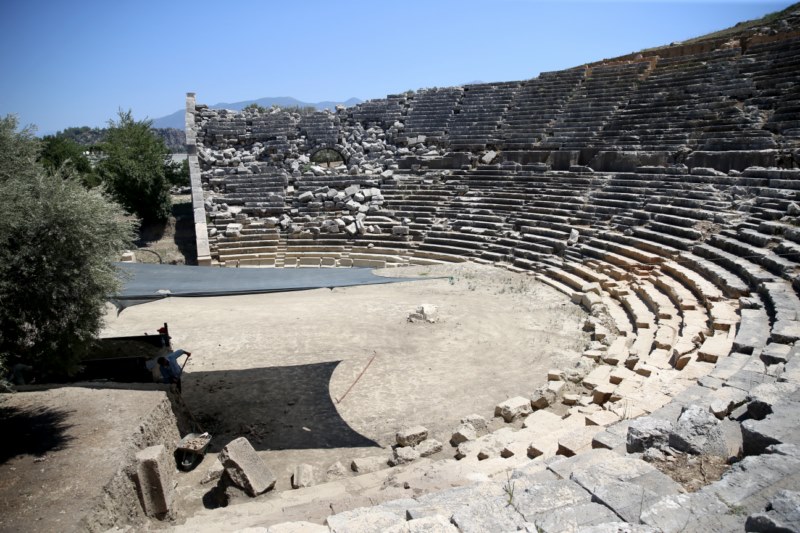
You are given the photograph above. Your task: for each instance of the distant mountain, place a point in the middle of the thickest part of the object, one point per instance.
(177, 119)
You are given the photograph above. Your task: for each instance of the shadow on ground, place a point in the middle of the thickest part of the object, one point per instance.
(33, 431)
(275, 408)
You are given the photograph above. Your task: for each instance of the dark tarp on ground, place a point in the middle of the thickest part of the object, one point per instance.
(144, 283)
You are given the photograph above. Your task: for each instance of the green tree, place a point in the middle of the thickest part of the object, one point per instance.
(64, 154)
(135, 167)
(57, 244)
(255, 107)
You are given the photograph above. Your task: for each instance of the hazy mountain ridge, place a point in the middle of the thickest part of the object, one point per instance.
(177, 119)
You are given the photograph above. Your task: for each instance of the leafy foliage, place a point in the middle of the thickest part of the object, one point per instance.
(57, 241)
(135, 167)
(62, 153)
(178, 173)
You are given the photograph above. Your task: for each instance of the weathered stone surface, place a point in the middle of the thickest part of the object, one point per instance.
(574, 517)
(428, 524)
(245, 468)
(365, 465)
(403, 455)
(542, 397)
(750, 483)
(764, 397)
(428, 447)
(478, 422)
(302, 476)
(648, 432)
(363, 520)
(290, 527)
(781, 515)
(778, 427)
(619, 527)
(464, 433)
(155, 472)
(698, 431)
(335, 471)
(513, 408)
(411, 436)
(213, 472)
(689, 512)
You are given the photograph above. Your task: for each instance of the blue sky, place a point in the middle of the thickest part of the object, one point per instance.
(75, 63)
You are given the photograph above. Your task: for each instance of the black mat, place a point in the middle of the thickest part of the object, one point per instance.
(146, 282)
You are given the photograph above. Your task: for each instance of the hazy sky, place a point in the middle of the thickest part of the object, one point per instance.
(73, 63)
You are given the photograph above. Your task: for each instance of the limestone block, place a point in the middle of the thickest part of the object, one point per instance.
(245, 468)
(542, 397)
(601, 418)
(602, 393)
(399, 230)
(365, 465)
(513, 408)
(782, 514)
(291, 527)
(647, 432)
(335, 471)
(577, 440)
(363, 520)
(763, 398)
(428, 447)
(488, 157)
(428, 524)
(697, 431)
(573, 517)
(411, 436)
(155, 477)
(464, 433)
(403, 455)
(233, 230)
(478, 422)
(213, 473)
(302, 476)
(682, 512)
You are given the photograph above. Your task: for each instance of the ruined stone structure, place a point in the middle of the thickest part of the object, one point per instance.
(660, 191)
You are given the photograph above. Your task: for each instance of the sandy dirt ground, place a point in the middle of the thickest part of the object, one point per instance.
(328, 375)
(59, 448)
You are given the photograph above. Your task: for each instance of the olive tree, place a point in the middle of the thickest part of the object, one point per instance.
(58, 241)
(136, 167)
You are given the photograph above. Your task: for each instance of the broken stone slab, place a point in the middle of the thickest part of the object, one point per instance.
(302, 476)
(427, 312)
(751, 483)
(513, 408)
(335, 471)
(464, 433)
(213, 472)
(697, 431)
(478, 422)
(647, 432)
(778, 427)
(574, 517)
(363, 520)
(488, 157)
(428, 447)
(619, 527)
(763, 398)
(685, 512)
(290, 527)
(155, 479)
(725, 400)
(403, 455)
(577, 441)
(427, 524)
(543, 397)
(365, 465)
(245, 468)
(411, 436)
(781, 515)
